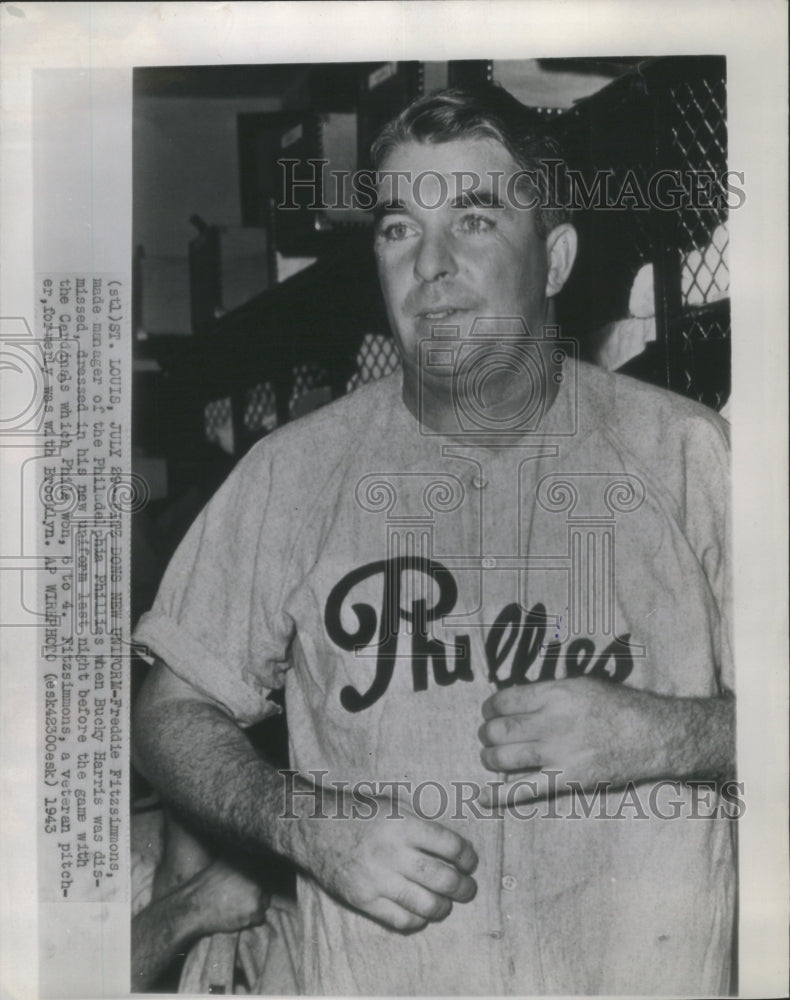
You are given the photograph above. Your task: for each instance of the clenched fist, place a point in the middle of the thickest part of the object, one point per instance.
(402, 872)
(588, 729)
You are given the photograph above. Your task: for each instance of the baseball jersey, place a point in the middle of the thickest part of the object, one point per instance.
(392, 578)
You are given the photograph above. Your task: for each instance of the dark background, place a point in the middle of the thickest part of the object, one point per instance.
(246, 317)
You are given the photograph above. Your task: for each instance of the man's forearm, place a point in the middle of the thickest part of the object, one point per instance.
(595, 731)
(404, 874)
(695, 737)
(203, 763)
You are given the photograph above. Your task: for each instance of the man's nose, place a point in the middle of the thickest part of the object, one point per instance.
(434, 258)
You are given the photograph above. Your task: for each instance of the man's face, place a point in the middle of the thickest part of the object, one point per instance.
(463, 260)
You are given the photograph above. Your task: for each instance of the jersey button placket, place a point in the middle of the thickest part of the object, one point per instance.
(519, 945)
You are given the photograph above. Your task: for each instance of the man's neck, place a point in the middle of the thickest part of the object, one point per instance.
(445, 408)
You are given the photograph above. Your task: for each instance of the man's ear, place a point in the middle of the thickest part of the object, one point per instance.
(561, 245)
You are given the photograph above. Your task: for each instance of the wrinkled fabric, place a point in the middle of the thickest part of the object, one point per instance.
(256, 961)
(391, 579)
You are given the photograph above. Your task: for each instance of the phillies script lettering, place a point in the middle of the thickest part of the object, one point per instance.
(515, 639)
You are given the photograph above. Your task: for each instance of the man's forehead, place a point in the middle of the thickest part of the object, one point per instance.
(485, 158)
(450, 155)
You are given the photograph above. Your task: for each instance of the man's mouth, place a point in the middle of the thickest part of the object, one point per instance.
(437, 315)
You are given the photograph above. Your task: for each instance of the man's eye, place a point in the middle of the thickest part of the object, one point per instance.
(395, 232)
(475, 224)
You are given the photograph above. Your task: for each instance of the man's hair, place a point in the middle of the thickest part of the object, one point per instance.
(486, 111)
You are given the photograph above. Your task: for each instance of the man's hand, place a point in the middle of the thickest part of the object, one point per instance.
(402, 872)
(593, 731)
(224, 899)
(216, 899)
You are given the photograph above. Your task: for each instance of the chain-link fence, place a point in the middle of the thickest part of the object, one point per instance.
(699, 133)
(377, 357)
(666, 117)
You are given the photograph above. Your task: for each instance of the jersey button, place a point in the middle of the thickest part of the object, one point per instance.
(509, 882)
(489, 563)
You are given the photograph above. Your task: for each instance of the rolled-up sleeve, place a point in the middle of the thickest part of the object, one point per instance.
(218, 620)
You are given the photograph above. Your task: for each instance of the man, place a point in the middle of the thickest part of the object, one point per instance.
(408, 562)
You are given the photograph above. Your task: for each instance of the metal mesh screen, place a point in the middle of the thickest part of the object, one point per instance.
(698, 336)
(667, 118)
(705, 326)
(217, 419)
(260, 408)
(260, 413)
(705, 333)
(699, 135)
(705, 272)
(377, 357)
(305, 378)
